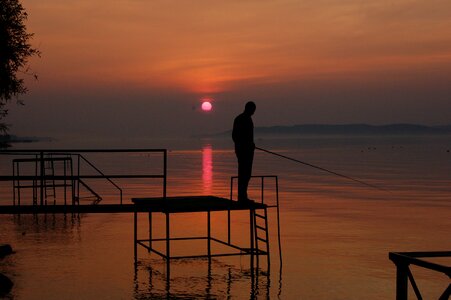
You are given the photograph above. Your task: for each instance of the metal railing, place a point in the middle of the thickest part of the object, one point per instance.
(103, 175)
(402, 260)
(41, 180)
(39, 177)
(262, 187)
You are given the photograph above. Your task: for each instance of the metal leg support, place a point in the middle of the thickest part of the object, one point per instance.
(150, 232)
(135, 235)
(168, 250)
(252, 238)
(401, 281)
(209, 236)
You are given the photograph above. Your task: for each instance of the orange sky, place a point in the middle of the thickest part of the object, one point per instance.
(217, 47)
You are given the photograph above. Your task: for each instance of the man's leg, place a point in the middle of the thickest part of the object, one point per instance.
(245, 161)
(242, 178)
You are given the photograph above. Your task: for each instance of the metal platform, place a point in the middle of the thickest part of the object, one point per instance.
(206, 205)
(169, 204)
(192, 204)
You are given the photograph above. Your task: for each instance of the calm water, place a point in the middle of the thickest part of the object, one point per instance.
(336, 235)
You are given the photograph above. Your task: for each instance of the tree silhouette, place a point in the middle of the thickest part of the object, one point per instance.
(15, 50)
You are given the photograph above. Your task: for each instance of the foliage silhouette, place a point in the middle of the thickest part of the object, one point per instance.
(15, 50)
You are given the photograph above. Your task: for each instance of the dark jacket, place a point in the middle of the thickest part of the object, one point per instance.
(243, 133)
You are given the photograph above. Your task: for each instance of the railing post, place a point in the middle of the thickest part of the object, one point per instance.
(150, 231)
(231, 188)
(78, 178)
(209, 236)
(168, 245)
(228, 212)
(35, 181)
(42, 176)
(71, 166)
(165, 166)
(446, 294)
(135, 234)
(14, 183)
(402, 270)
(278, 222)
(252, 237)
(65, 181)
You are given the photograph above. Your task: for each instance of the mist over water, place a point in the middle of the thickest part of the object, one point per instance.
(336, 234)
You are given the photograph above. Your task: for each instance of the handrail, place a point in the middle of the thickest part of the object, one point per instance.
(67, 151)
(402, 260)
(262, 177)
(99, 198)
(101, 173)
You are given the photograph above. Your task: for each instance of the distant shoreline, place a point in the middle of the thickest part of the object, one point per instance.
(347, 129)
(6, 140)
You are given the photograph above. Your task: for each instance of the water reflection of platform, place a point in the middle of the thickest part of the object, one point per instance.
(198, 279)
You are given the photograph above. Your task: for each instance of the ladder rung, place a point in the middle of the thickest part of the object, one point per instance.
(24, 186)
(260, 216)
(260, 239)
(51, 186)
(259, 227)
(261, 252)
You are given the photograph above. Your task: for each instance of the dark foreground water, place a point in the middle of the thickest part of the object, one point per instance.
(336, 235)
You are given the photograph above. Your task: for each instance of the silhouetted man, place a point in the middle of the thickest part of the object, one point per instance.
(243, 137)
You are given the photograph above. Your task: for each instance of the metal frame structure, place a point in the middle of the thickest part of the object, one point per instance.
(39, 179)
(252, 250)
(45, 180)
(402, 260)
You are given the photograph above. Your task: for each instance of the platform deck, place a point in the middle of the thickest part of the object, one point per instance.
(181, 204)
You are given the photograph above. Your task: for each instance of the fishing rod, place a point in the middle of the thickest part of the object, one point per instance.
(320, 168)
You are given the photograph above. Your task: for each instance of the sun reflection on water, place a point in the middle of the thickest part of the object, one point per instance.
(207, 169)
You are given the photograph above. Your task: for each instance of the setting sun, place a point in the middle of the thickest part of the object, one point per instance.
(206, 106)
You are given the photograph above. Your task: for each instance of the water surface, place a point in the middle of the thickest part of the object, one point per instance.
(336, 234)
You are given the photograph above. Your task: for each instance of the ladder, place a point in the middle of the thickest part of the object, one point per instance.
(259, 231)
(49, 184)
(261, 235)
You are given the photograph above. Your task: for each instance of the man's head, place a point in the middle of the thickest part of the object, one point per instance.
(250, 108)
